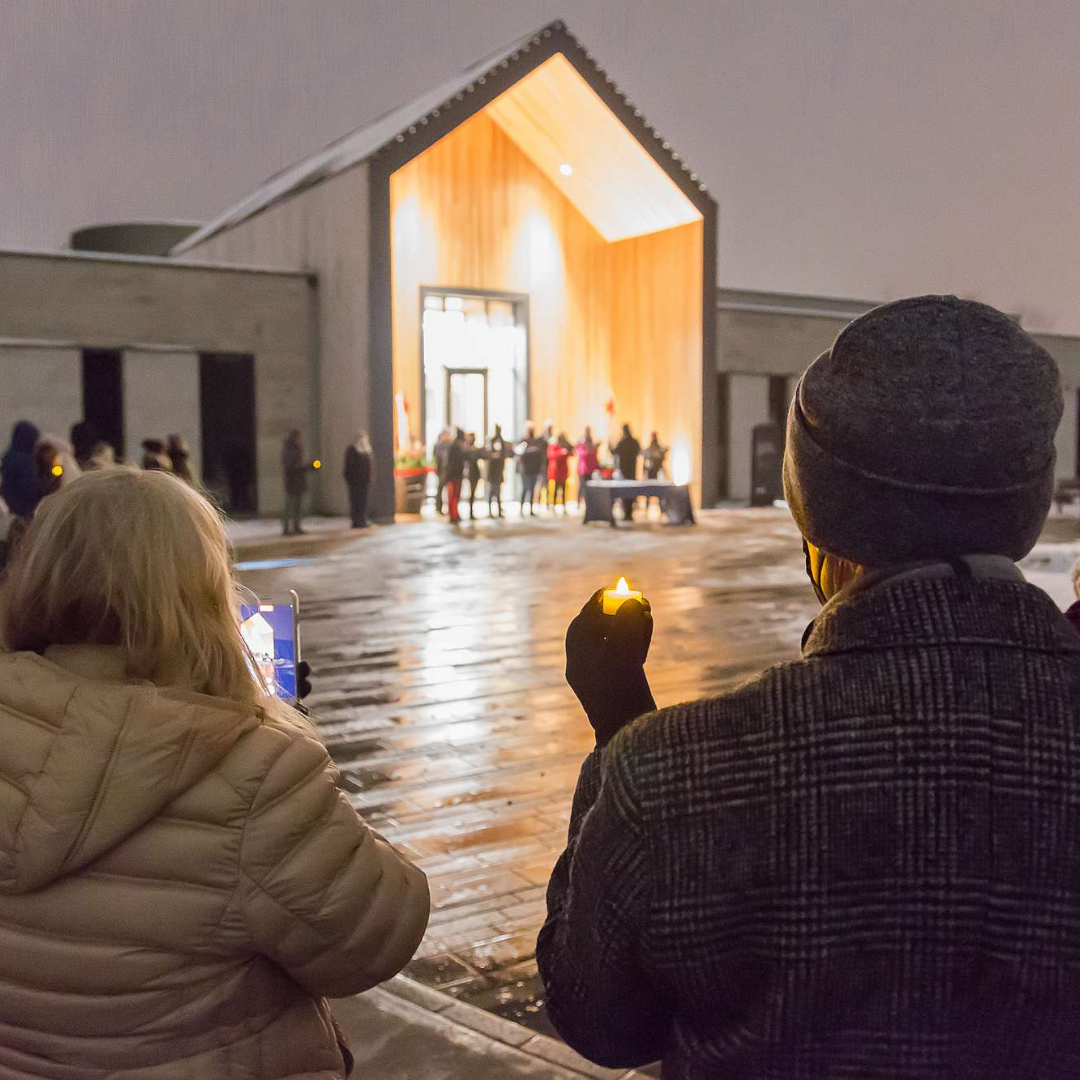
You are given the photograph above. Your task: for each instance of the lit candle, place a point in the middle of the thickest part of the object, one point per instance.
(615, 598)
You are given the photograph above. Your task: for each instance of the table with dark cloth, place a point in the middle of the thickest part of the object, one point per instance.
(600, 496)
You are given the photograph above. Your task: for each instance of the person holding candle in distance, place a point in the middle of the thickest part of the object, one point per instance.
(864, 862)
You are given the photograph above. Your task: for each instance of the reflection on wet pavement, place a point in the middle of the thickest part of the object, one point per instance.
(438, 676)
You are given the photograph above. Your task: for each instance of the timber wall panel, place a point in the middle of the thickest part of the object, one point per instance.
(655, 284)
(474, 212)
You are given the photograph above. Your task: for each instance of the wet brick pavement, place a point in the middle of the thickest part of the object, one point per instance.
(438, 658)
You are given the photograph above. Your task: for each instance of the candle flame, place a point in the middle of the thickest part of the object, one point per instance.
(57, 470)
(622, 588)
(316, 464)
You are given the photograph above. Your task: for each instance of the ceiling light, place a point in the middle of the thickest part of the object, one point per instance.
(566, 170)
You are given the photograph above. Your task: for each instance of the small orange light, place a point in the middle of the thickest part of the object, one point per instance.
(57, 470)
(316, 464)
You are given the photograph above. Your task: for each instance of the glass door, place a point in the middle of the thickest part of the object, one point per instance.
(467, 401)
(475, 362)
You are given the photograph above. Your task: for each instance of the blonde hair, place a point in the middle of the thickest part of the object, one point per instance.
(138, 560)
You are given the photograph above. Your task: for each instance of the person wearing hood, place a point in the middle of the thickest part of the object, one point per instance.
(56, 464)
(862, 862)
(20, 486)
(182, 882)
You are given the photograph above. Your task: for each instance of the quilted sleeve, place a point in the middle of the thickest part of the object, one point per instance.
(325, 897)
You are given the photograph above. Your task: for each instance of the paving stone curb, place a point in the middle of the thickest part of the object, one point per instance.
(558, 1057)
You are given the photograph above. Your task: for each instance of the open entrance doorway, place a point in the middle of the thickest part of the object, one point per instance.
(475, 357)
(227, 409)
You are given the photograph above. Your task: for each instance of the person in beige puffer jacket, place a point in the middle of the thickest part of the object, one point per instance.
(181, 881)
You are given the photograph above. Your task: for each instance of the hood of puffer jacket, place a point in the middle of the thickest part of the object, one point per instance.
(89, 758)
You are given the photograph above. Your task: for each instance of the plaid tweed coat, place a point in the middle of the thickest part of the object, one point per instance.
(862, 864)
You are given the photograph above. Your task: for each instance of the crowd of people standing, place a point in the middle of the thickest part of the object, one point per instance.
(861, 862)
(544, 463)
(37, 464)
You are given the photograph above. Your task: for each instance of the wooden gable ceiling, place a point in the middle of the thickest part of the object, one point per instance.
(556, 119)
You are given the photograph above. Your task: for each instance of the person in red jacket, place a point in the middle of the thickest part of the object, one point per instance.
(559, 451)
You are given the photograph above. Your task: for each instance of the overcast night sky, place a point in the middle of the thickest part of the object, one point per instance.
(871, 149)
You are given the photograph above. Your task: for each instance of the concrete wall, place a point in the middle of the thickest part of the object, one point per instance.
(1066, 351)
(42, 385)
(324, 230)
(749, 406)
(774, 334)
(79, 300)
(161, 397)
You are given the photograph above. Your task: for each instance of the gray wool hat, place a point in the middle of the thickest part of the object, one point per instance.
(925, 432)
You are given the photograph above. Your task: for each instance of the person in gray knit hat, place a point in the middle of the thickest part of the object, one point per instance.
(865, 862)
(926, 431)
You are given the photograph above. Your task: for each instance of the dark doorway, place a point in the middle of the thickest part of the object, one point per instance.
(227, 409)
(778, 399)
(723, 432)
(103, 395)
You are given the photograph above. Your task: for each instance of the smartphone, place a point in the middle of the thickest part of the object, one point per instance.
(272, 633)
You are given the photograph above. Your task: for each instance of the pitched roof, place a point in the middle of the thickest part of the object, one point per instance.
(398, 125)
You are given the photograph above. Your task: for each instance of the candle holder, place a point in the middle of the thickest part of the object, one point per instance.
(615, 598)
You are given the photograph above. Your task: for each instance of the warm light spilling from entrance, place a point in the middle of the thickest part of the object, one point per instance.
(680, 462)
(566, 169)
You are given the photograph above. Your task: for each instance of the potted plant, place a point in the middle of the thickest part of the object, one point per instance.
(411, 468)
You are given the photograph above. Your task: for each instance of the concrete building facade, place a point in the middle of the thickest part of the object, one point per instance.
(161, 323)
(526, 200)
(766, 340)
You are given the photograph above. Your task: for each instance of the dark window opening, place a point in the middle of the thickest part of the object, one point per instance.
(778, 399)
(227, 414)
(723, 433)
(103, 395)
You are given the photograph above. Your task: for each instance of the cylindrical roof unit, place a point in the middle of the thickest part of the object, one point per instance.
(132, 237)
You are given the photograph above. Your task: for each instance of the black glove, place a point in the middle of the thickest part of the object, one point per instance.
(605, 664)
(303, 680)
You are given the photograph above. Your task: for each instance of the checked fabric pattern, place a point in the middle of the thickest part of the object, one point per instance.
(865, 863)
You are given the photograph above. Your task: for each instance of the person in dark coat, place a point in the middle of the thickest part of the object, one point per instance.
(439, 452)
(864, 862)
(20, 486)
(295, 466)
(626, 452)
(179, 454)
(91, 451)
(453, 474)
(154, 456)
(496, 453)
(359, 472)
(654, 457)
(532, 461)
(473, 453)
